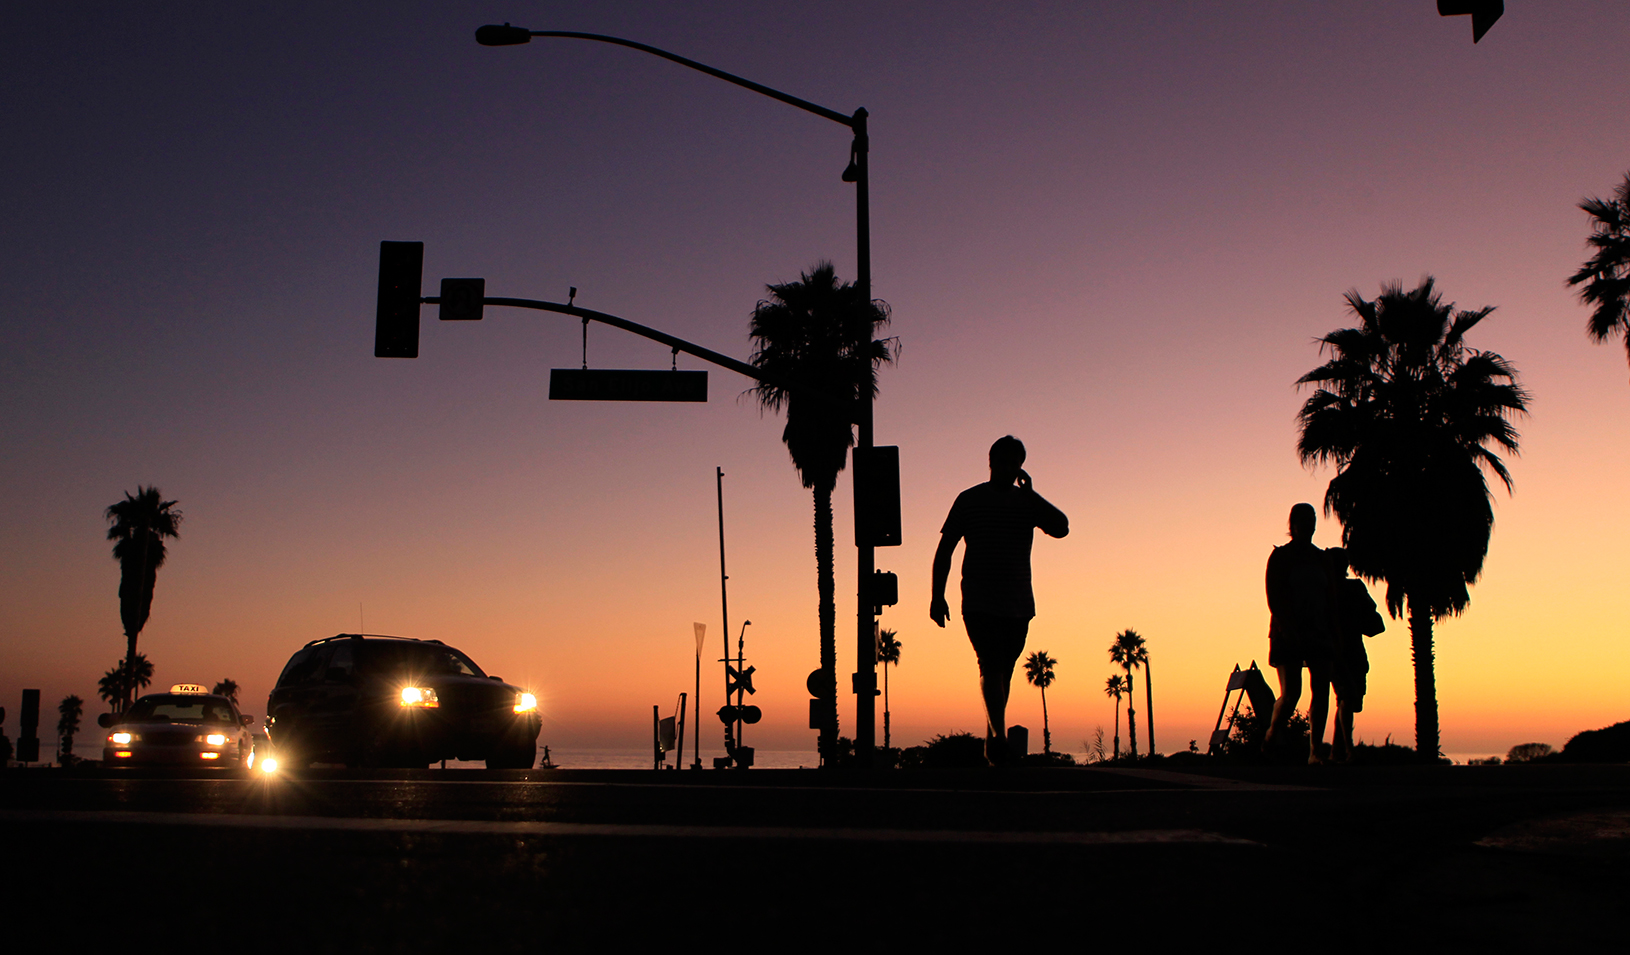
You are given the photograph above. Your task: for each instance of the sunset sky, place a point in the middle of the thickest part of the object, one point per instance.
(1113, 230)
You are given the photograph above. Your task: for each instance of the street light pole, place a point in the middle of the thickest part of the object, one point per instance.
(865, 678)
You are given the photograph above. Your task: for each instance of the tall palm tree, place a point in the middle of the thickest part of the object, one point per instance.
(228, 689)
(818, 332)
(141, 522)
(1606, 276)
(1128, 653)
(1407, 412)
(69, 712)
(1038, 669)
(888, 654)
(1113, 688)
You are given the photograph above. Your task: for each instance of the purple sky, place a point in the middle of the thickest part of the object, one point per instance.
(1111, 229)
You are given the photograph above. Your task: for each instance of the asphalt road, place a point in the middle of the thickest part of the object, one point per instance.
(793, 859)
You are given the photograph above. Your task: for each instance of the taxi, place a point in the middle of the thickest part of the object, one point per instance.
(188, 726)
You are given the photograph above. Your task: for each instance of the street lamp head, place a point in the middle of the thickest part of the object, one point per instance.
(506, 35)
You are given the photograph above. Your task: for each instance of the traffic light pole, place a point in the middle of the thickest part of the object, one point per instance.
(865, 677)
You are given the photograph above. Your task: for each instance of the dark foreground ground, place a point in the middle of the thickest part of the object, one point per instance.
(1360, 857)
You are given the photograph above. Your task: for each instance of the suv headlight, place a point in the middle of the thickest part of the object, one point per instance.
(525, 702)
(121, 739)
(215, 739)
(419, 696)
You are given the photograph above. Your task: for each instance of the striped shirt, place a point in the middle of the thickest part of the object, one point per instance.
(998, 523)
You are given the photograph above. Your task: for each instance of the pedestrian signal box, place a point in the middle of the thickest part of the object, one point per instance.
(877, 496)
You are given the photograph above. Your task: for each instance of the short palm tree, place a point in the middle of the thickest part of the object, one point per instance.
(228, 689)
(1038, 669)
(1406, 412)
(118, 685)
(1606, 276)
(819, 332)
(1129, 653)
(888, 654)
(1113, 688)
(141, 522)
(69, 712)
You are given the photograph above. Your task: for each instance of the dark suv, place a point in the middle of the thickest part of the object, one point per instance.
(393, 701)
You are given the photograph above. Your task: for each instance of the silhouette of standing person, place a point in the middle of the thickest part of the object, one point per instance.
(1301, 633)
(1355, 619)
(997, 519)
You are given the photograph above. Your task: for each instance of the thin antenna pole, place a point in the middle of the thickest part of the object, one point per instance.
(724, 610)
(362, 622)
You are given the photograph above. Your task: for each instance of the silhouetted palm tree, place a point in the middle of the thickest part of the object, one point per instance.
(888, 654)
(1113, 688)
(1038, 669)
(1406, 413)
(1128, 653)
(69, 712)
(140, 524)
(228, 689)
(818, 332)
(1606, 276)
(116, 687)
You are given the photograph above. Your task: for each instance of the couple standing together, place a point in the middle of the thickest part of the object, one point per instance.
(1320, 617)
(997, 519)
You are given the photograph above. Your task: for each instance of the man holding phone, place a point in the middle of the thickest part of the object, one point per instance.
(998, 520)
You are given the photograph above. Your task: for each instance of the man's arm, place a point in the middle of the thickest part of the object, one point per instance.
(938, 609)
(1050, 519)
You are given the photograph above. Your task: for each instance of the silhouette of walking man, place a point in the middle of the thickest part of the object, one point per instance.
(997, 519)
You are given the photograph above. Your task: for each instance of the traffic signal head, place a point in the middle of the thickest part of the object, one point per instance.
(1483, 13)
(396, 324)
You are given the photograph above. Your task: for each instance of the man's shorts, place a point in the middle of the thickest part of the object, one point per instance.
(997, 641)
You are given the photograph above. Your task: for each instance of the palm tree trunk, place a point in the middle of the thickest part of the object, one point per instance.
(1149, 706)
(1131, 714)
(827, 587)
(1046, 729)
(1426, 687)
(886, 746)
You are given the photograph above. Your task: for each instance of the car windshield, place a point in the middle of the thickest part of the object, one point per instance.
(179, 709)
(419, 659)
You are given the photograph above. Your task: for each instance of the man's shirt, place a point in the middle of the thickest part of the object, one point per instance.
(998, 524)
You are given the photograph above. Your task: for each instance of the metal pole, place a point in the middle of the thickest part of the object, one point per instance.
(679, 760)
(724, 611)
(1149, 698)
(865, 622)
(696, 734)
(656, 738)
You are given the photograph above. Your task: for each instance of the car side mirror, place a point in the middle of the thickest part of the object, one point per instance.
(105, 720)
(498, 678)
(246, 719)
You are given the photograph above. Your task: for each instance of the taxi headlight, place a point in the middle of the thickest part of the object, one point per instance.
(419, 696)
(215, 739)
(525, 702)
(121, 739)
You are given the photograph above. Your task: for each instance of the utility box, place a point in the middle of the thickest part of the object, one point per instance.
(1018, 742)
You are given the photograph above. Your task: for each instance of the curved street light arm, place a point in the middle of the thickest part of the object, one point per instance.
(507, 35)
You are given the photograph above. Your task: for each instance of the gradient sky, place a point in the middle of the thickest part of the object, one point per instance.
(1113, 230)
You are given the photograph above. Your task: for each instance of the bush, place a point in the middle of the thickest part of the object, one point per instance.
(1607, 745)
(1528, 752)
(954, 751)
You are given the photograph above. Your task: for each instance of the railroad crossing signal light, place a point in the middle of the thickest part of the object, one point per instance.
(396, 324)
(1483, 13)
(730, 713)
(739, 680)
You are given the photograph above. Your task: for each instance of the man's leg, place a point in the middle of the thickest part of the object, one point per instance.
(1318, 710)
(997, 642)
(1290, 693)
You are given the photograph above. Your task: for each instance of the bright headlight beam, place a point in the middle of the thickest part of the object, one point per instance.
(121, 738)
(525, 703)
(215, 739)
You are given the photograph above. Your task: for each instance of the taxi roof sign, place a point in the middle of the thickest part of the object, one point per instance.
(189, 688)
